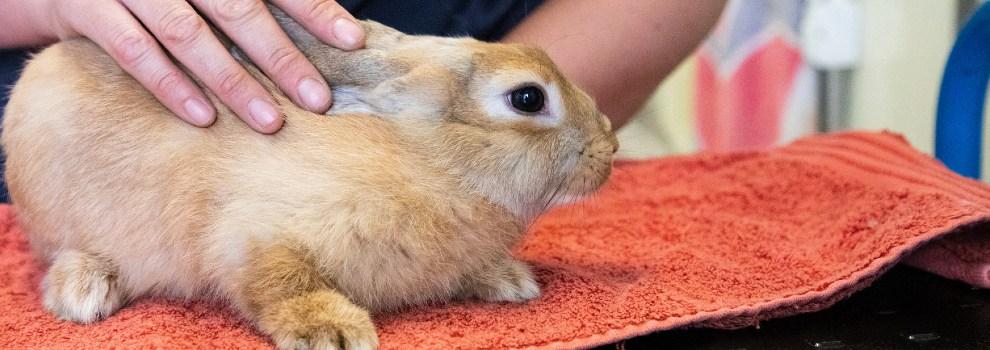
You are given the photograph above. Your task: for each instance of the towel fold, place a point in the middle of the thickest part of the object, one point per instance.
(964, 257)
(710, 240)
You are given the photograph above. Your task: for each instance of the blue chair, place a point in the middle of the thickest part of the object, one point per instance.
(959, 119)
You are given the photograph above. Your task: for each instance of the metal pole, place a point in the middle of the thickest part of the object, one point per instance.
(833, 95)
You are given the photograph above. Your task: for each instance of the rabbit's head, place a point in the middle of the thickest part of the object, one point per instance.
(499, 117)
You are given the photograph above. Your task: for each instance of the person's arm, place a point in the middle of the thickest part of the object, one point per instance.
(618, 51)
(137, 34)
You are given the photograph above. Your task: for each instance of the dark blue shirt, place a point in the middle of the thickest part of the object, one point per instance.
(486, 20)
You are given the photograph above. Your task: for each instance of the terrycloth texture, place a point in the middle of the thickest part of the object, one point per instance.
(708, 240)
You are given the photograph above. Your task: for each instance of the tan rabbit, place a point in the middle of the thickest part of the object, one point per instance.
(436, 156)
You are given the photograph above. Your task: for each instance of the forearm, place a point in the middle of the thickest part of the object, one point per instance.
(20, 25)
(618, 51)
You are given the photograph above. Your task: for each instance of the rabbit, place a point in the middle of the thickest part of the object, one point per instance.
(437, 155)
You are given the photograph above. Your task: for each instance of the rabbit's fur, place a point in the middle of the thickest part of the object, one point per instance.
(412, 190)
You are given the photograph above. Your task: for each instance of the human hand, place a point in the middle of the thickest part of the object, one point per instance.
(116, 25)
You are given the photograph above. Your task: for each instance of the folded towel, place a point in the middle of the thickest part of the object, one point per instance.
(707, 241)
(964, 257)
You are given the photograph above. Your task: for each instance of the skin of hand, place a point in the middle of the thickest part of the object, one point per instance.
(137, 34)
(619, 50)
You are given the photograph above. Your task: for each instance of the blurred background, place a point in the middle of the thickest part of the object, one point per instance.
(776, 70)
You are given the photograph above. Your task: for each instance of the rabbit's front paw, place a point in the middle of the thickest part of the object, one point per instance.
(510, 281)
(319, 320)
(82, 287)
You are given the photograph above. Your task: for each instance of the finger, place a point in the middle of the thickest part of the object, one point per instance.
(327, 20)
(250, 25)
(115, 30)
(185, 34)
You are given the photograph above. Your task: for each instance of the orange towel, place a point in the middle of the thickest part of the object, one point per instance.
(706, 240)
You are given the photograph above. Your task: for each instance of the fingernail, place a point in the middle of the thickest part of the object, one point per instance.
(199, 113)
(349, 33)
(262, 112)
(314, 95)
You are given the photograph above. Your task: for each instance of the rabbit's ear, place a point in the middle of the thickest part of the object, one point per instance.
(424, 92)
(377, 35)
(360, 68)
(296, 32)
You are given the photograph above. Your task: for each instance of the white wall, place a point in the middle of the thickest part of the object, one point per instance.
(666, 124)
(906, 43)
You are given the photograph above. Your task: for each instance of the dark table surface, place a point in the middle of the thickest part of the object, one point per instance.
(904, 309)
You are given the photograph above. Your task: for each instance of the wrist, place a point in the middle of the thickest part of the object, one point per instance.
(28, 24)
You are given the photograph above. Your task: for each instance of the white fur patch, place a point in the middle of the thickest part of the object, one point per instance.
(519, 286)
(566, 200)
(522, 290)
(81, 295)
(348, 100)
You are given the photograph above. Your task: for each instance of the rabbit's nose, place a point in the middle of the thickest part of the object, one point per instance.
(615, 147)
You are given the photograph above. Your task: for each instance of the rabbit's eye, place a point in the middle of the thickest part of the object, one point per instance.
(527, 99)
